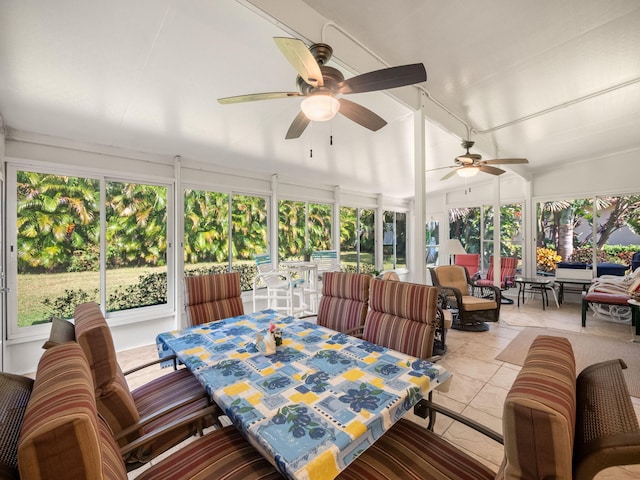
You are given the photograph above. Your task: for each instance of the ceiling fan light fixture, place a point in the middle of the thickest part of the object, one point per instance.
(468, 171)
(320, 108)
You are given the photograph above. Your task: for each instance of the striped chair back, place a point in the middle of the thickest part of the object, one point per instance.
(208, 298)
(402, 316)
(345, 299)
(62, 434)
(508, 267)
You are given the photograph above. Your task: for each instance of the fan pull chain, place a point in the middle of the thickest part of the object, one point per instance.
(311, 153)
(331, 140)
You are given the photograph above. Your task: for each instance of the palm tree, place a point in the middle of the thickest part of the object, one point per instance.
(57, 217)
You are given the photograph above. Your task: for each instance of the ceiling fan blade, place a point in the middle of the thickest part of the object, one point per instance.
(384, 79)
(297, 126)
(491, 170)
(361, 115)
(450, 174)
(441, 168)
(504, 161)
(299, 56)
(257, 96)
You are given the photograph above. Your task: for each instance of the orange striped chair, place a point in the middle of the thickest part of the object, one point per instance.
(208, 298)
(345, 300)
(151, 407)
(402, 316)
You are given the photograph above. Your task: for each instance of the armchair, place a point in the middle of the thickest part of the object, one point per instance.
(508, 267)
(212, 297)
(152, 407)
(475, 304)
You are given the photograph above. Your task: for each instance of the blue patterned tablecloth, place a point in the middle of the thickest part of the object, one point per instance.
(316, 403)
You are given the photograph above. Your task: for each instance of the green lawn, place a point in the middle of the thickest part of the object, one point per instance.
(33, 289)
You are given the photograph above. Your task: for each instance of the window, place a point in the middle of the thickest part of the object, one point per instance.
(394, 241)
(303, 224)
(222, 232)
(357, 239)
(58, 243)
(474, 228)
(136, 237)
(432, 232)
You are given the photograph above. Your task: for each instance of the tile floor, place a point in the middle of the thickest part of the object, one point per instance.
(480, 382)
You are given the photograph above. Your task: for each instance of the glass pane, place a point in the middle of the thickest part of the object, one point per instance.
(319, 226)
(563, 232)
(348, 238)
(618, 230)
(432, 232)
(206, 232)
(389, 240)
(249, 235)
(58, 245)
(136, 238)
(511, 228)
(291, 229)
(464, 224)
(401, 240)
(367, 241)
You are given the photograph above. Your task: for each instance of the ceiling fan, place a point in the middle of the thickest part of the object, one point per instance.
(321, 85)
(469, 164)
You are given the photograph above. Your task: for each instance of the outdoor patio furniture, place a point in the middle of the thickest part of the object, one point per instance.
(345, 300)
(280, 287)
(473, 304)
(212, 297)
(151, 407)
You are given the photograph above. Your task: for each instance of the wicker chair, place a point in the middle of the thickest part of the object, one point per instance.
(151, 407)
(208, 298)
(475, 304)
(15, 391)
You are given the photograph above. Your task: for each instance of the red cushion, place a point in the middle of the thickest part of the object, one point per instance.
(608, 298)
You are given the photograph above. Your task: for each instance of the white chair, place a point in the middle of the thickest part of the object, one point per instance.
(279, 287)
(327, 261)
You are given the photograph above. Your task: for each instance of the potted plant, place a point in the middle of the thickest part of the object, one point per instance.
(306, 253)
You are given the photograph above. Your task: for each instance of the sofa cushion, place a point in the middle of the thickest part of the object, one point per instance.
(539, 413)
(61, 331)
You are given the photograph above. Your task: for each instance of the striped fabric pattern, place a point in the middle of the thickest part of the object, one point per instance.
(94, 336)
(222, 454)
(61, 434)
(120, 407)
(345, 299)
(540, 411)
(508, 267)
(212, 297)
(409, 451)
(402, 316)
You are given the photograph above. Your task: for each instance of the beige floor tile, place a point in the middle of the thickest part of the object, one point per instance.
(463, 388)
(490, 400)
(505, 376)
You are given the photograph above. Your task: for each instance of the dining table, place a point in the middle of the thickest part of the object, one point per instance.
(317, 402)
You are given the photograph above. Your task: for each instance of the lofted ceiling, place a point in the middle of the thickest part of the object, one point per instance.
(555, 82)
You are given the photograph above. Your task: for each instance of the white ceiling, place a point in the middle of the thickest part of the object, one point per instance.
(553, 81)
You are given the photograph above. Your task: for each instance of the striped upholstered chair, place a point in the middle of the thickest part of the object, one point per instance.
(554, 426)
(402, 316)
(64, 437)
(345, 299)
(212, 297)
(150, 407)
